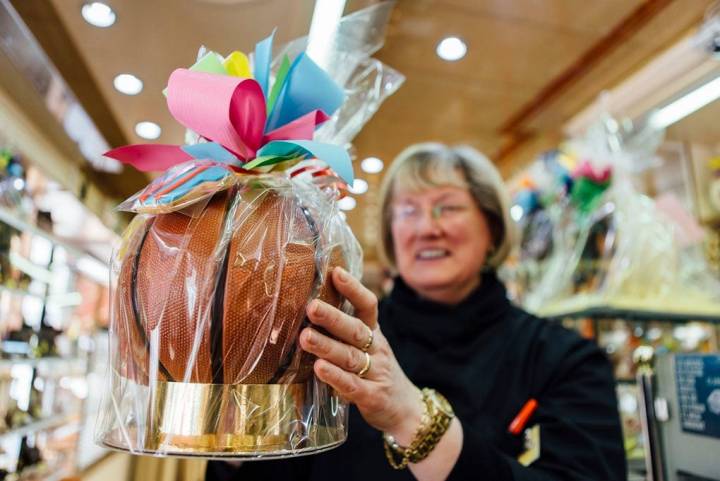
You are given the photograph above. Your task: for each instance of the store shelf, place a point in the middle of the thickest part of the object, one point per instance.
(41, 425)
(666, 310)
(18, 292)
(607, 312)
(69, 299)
(36, 272)
(55, 362)
(24, 226)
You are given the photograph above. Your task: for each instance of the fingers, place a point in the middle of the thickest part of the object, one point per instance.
(342, 326)
(347, 385)
(362, 298)
(346, 357)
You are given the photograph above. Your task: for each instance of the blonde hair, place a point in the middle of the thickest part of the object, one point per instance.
(428, 165)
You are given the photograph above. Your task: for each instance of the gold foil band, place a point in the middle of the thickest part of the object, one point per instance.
(240, 420)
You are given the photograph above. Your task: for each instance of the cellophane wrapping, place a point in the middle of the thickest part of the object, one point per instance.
(230, 244)
(208, 303)
(591, 239)
(367, 81)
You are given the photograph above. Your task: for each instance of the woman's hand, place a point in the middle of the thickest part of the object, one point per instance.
(384, 395)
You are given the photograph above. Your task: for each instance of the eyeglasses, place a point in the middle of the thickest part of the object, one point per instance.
(412, 214)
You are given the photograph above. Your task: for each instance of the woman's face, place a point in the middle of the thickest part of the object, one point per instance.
(441, 239)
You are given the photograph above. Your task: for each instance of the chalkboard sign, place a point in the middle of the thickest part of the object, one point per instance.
(698, 387)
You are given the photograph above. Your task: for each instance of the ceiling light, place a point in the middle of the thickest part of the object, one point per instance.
(347, 203)
(98, 14)
(451, 49)
(148, 130)
(128, 84)
(372, 165)
(359, 186)
(686, 104)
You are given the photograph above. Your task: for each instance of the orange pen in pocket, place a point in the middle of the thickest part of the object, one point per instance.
(518, 424)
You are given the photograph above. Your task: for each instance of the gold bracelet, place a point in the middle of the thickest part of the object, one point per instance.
(435, 422)
(392, 448)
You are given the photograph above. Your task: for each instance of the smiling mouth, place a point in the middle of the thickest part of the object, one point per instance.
(432, 254)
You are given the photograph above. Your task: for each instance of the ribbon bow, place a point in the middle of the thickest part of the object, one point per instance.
(247, 125)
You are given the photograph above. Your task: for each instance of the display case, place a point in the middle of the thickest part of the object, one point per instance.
(53, 316)
(620, 332)
(609, 247)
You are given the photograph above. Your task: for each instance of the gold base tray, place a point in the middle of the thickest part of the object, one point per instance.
(226, 456)
(238, 421)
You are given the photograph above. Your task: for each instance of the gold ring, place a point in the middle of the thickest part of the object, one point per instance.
(369, 342)
(365, 368)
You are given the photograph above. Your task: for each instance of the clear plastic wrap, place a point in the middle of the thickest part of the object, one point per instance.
(207, 308)
(230, 243)
(592, 240)
(367, 82)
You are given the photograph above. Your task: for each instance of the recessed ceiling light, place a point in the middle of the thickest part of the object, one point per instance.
(98, 14)
(148, 130)
(451, 49)
(347, 203)
(359, 186)
(128, 84)
(372, 165)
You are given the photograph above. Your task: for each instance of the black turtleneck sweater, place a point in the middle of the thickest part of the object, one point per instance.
(488, 358)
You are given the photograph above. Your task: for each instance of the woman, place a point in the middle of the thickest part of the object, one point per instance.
(448, 326)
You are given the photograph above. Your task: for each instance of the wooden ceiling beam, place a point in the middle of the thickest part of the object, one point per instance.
(621, 33)
(523, 153)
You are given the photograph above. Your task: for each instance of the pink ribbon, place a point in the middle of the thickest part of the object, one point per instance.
(228, 110)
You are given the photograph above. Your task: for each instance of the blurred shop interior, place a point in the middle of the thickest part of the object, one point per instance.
(601, 116)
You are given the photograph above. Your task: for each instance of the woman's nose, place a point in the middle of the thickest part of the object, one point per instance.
(428, 224)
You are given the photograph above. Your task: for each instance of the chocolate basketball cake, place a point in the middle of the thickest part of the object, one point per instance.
(215, 272)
